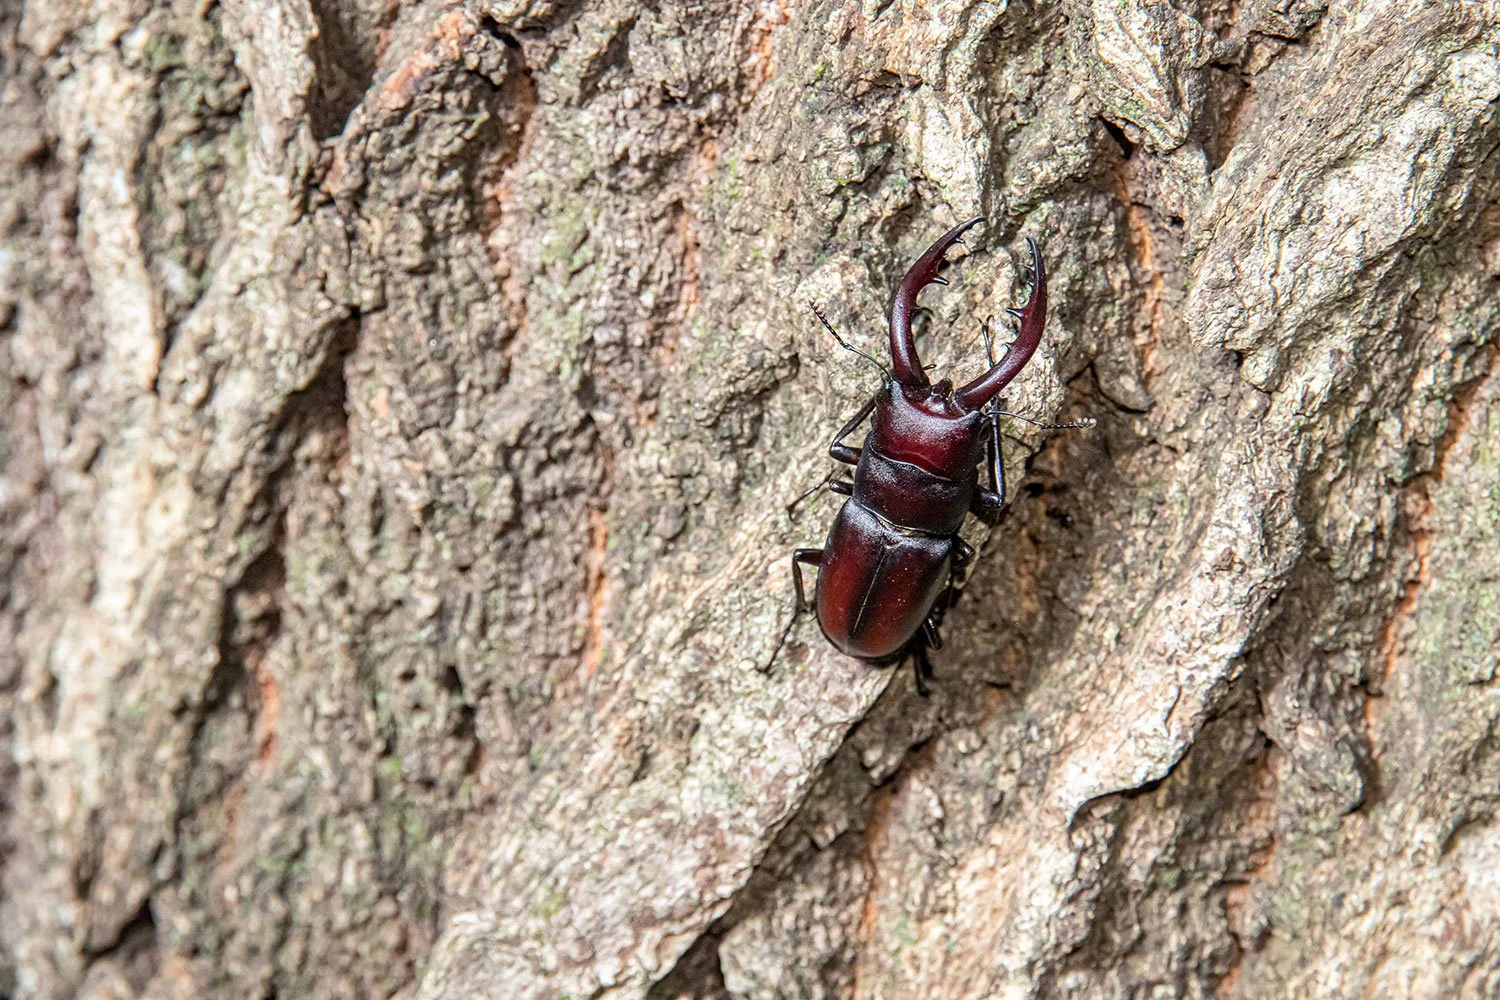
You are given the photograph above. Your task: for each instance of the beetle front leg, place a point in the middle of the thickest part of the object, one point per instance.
(988, 503)
(813, 557)
(841, 452)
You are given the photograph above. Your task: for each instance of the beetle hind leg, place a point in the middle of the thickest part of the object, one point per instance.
(932, 638)
(921, 667)
(929, 638)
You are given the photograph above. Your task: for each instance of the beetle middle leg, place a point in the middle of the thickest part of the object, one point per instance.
(812, 557)
(958, 574)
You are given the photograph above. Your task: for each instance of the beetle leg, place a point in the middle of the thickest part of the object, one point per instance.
(842, 487)
(921, 669)
(930, 630)
(988, 503)
(813, 557)
(815, 487)
(958, 575)
(997, 463)
(841, 452)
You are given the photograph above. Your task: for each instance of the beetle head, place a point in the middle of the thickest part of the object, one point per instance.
(933, 400)
(926, 427)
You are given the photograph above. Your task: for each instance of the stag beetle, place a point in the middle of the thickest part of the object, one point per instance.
(893, 561)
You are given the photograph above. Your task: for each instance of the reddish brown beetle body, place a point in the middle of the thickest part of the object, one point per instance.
(888, 570)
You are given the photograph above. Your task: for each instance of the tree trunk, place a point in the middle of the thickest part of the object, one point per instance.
(402, 406)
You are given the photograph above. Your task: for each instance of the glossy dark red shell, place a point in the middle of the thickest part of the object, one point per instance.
(877, 583)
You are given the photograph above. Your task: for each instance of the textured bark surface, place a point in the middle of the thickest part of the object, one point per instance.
(401, 404)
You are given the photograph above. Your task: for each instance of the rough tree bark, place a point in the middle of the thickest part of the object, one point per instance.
(401, 406)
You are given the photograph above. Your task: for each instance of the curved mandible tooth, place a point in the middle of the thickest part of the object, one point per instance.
(906, 366)
(1033, 317)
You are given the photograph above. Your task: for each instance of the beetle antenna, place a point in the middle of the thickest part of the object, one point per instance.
(844, 343)
(1072, 425)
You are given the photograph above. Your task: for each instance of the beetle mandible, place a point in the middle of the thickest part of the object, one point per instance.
(893, 559)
